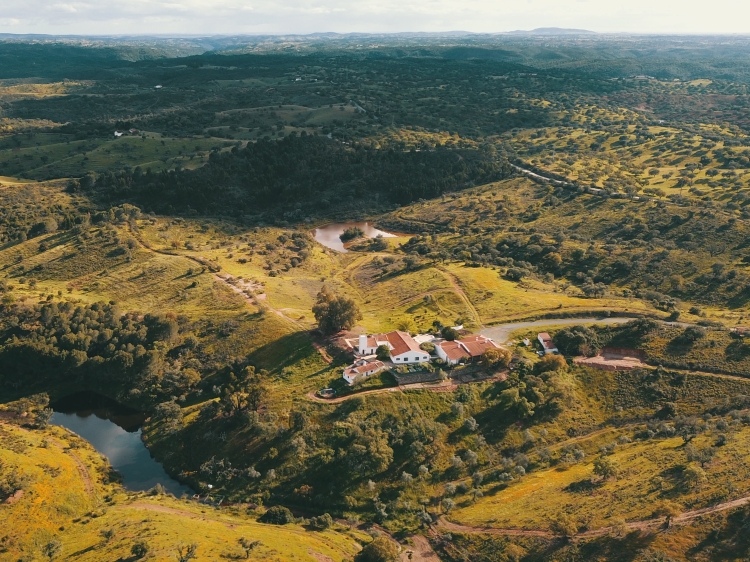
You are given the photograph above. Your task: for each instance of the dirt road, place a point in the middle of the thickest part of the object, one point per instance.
(460, 292)
(681, 519)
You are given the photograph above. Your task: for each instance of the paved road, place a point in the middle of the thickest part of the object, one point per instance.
(501, 333)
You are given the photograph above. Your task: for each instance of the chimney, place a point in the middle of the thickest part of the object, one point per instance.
(362, 344)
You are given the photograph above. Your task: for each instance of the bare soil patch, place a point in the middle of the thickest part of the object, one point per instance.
(614, 359)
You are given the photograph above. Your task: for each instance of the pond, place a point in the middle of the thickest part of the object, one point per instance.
(115, 431)
(329, 235)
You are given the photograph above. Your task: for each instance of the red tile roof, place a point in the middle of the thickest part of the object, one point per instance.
(401, 343)
(478, 347)
(366, 368)
(453, 350)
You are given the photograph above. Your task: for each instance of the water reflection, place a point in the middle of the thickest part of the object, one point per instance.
(114, 431)
(329, 234)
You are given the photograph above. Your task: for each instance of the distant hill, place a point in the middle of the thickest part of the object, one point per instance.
(552, 31)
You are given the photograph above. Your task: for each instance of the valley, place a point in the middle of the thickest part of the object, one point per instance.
(205, 268)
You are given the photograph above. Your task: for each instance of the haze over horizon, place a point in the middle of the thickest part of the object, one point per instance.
(223, 17)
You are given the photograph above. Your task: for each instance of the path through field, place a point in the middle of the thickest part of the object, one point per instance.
(645, 525)
(464, 297)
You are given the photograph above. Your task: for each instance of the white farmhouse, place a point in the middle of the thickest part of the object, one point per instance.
(403, 349)
(361, 370)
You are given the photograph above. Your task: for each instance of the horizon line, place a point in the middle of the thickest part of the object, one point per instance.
(548, 31)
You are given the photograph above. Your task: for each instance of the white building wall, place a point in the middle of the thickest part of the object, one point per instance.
(410, 357)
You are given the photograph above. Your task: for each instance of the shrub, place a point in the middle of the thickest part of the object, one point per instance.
(351, 234)
(277, 515)
(550, 363)
(322, 522)
(449, 333)
(139, 549)
(578, 340)
(379, 550)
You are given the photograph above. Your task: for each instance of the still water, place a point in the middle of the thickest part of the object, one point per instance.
(328, 235)
(115, 431)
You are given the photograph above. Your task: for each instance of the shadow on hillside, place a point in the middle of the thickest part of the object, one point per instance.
(612, 549)
(737, 351)
(730, 541)
(284, 352)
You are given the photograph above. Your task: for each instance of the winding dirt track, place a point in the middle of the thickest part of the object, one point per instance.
(421, 551)
(681, 519)
(460, 292)
(88, 483)
(173, 511)
(225, 280)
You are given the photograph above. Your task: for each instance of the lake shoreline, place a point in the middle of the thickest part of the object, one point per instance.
(329, 235)
(114, 430)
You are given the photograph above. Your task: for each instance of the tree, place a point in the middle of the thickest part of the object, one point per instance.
(52, 549)
(139, 549)
(694, 476)
(322, 522)
(277, 515)
(606, 468)
(564, 526)
(702, 456)
(512, 400)
(550, 363)
(669, 510)
(496, 358)
(552, 261)
(248, 546)
(381, 549)
(514, 552)
(42, 417)
(383, 352)
(351, 234)
(448, 333)
(577, 340)
(187, 552)
(335, 313)
(470, 424)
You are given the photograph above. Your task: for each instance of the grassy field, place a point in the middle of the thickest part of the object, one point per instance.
(41, 157)
(67, 497)
(500, 300)
(626, 152)
(650, 473)
(608, 415)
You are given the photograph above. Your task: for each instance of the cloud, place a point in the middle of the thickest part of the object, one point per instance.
(307, 16)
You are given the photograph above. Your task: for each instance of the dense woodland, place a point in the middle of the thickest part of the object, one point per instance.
(95, 346)
(306, 174)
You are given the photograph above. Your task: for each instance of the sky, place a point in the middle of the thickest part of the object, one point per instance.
(218, 17)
